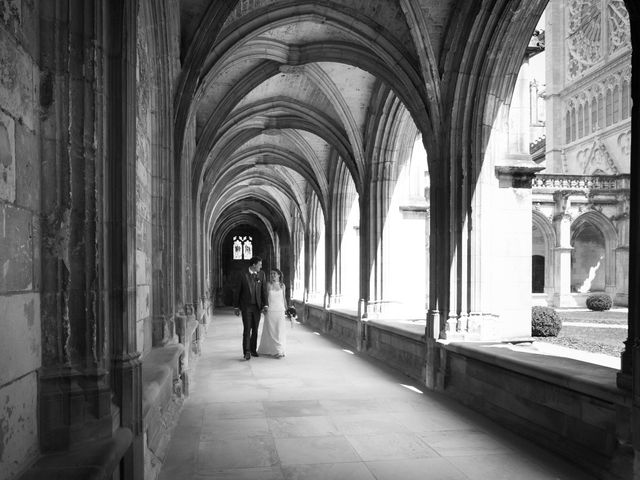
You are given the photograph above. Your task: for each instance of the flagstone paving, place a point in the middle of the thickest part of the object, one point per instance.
(323, 412)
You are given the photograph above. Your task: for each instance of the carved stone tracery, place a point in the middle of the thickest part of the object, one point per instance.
(584, 39)
(591, 37)
(618, 21)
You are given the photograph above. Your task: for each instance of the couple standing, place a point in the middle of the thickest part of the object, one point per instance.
(254, 295)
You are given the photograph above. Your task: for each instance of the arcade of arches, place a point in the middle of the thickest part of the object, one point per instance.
(149, 147)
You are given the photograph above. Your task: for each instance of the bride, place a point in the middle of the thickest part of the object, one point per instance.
(273, 339)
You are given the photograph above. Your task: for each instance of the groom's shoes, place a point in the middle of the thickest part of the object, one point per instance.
(247, 356)
(254, 354)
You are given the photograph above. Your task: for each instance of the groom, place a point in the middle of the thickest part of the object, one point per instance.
(250, 298)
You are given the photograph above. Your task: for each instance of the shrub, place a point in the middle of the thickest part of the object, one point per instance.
(599, 302)
(545, 322)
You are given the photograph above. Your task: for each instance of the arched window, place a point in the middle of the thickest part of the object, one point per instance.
(600, 111)
(587, 122)
(625, 99)
(588, 259)
(609, 107)
(242, 247)
(573, 124)
(580, 121)
(568, 127)
(594, 114)
(616, 104)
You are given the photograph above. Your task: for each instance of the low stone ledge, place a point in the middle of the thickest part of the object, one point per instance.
(586, 378)
(95, 460)
(400, 346)
(570, 406)
(161, 402)
(160, 367)
(414, 332)
(345, 312)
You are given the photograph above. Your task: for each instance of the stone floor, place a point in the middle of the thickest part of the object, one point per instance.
(323, 412)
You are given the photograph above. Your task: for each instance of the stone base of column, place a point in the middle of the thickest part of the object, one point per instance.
(565, 301)
(164, 330)
(432, 333)
(74, 408)
(126, 374)
(621, 299)
(474, 327)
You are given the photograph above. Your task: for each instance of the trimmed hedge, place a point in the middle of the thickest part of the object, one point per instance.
(545, 322)
(599, 302)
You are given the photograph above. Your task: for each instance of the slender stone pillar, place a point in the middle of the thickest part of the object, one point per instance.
(166, 71)
(562, 225)
(621, 221)
(121, 187)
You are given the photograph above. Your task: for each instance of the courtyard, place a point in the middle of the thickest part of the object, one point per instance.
(594, 332)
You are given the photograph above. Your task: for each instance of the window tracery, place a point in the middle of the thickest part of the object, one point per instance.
(618, 19)
(242, 247)
(584, 35)
(606, 101)
(596, 29)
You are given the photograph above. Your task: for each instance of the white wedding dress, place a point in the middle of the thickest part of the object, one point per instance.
(273, 339)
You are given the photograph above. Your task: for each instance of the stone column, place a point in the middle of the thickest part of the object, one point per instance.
(562, 251)
(163, 284)
(74, 390)
(621, 221)
(555, 67)
(126, 371)
(629, 375)
(379, 199)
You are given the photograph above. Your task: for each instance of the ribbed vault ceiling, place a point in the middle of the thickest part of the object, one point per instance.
(283, 92)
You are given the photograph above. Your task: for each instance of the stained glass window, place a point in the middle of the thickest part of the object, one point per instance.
(242, 247)
(237, 249)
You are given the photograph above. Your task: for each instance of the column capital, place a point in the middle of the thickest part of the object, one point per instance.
(517, 176)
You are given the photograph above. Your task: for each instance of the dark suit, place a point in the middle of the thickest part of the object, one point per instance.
(250, 296)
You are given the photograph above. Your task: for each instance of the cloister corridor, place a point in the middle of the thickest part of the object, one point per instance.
(324, 412)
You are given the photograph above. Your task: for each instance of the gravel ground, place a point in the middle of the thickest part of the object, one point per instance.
(591, 339)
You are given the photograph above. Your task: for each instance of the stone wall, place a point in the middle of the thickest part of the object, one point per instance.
(401, 349)
(566, 405)
(20, 342)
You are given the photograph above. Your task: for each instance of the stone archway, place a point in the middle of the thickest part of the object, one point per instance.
(594, 240)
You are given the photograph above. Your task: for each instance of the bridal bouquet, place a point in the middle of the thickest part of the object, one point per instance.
(291, 314)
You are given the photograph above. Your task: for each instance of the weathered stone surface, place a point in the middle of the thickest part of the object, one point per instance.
(18, 425)
(19, 80)
(27, 168)
(20, 339)
(16, 270)
(7, 158)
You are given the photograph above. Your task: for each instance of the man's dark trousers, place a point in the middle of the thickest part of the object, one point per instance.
(250, 322)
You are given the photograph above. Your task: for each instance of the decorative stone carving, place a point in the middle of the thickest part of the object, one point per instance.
(584, 40)
(624, 142)
(618, 20)
(600, 160)
(574, 182)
